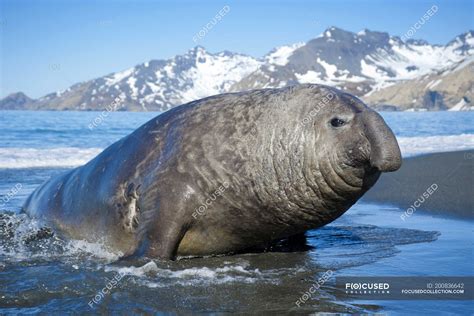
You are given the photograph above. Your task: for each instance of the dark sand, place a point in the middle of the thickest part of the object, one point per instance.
(452, 173)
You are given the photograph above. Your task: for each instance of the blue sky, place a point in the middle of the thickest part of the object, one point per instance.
(49, 45)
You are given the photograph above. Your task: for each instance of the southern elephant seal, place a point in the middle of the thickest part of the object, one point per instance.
(224, 173)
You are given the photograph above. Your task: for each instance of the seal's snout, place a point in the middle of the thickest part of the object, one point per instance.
(387, 165)
(384, 151)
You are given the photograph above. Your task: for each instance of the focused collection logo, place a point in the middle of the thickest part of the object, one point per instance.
(367, 288)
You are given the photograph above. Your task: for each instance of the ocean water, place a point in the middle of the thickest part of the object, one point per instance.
(43, 273)
(64, 139)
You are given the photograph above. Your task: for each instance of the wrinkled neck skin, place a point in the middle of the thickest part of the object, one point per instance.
(301, 177)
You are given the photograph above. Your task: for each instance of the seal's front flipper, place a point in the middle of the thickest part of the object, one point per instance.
(169, 226)
(165, 239)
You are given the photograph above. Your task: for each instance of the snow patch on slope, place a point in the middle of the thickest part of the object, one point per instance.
(214, 74)
(309, 77)
(118, 76)
(281, 54)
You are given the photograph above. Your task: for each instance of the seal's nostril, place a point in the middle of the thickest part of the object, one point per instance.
(388, 165)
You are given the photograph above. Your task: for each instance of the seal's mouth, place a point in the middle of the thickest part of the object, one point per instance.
(371, 175)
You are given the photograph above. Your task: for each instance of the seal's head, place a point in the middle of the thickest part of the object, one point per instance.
(353, 145)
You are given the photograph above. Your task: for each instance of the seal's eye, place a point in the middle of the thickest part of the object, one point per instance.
(337, 122)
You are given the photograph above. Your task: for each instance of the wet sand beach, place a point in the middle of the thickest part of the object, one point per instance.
(441, 183)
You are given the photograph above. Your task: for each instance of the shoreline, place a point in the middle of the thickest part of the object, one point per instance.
(441, 183)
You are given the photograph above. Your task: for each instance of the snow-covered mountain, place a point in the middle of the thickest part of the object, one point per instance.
(362, 63)
(157, 84)
(450, 88)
